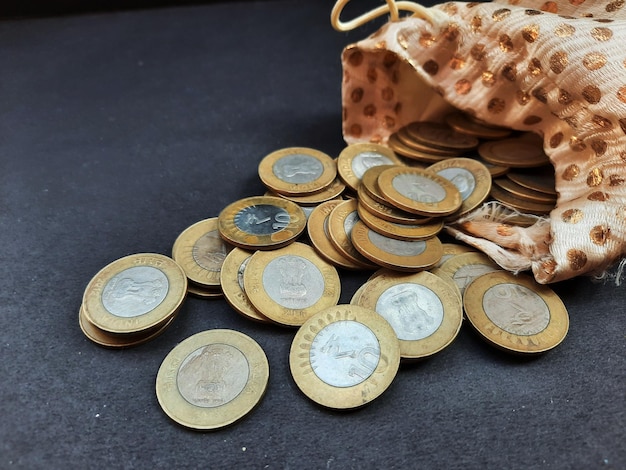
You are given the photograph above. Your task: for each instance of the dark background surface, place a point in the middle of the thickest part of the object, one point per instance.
(120, 129)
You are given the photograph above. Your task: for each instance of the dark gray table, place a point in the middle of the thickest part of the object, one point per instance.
(119, 130)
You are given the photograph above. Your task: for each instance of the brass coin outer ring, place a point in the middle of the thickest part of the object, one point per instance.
(238, 237)
(399, 231)
(388, 212)
(266, 172)
(344, 397)
(351, 152)
(205, 419)
(550, 337)
(99, 316)
(333, 191)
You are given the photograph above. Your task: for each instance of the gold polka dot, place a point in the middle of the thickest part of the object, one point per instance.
(496, 105)
(426, 39)
(488, 79)
(616, 180)
(565, 97)
(522, 97)
(451, 32)
(549, 267)
(564, 30)
(598, 196)
(463, 87)
(390, 59)
(556, 140)
(614, 6)
(599, 146)
(369, 110)
(476, 24)
(604, 20)
(387, 93)
(602, 122)
(402, 39)
(571, 172)
(509, 71)
(592, 94)
(572, 121)
(532, 120)
(622, 124)
(356, 130)
(595, 177)
(451, 8)
(594, 60)
(558, 61)
(356, 58)
(530, 12)
(395, 76)
(600, 234)
(357, 95)
(530, 33)
(541, 94)
(431, 67)
(500, 14)
(601, 34)
(577, 259)
(534, 67)
(372, 75)
(457, 63)
(504, 230)
(389, 122)
(576, 2)
(550, 7)
(505, 42)
(478, 52)
(572, 216)
(576, 144)
(621, 94)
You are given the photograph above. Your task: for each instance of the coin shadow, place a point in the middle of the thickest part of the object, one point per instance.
(495, 354)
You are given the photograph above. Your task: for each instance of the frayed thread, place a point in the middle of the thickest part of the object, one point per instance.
(614, 276)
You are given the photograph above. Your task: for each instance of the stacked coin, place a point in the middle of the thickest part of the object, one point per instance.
(132, 300)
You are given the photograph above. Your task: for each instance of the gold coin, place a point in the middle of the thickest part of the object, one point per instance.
(344, 357)
(419, 192)
(519, 204)
(357, 294)
(404, 150)
(356, 159)
(297, 171)
(340, 222)
(212, 379)
(395, 254)
(388, 212)
(233, 285)
(524, 193)
(200, 251)
(514, 153)
(441, 136)
(462, 123)
(291, 284)
(261, 222)
(317, 229)
(423, 310)
(330, 192)
(203, 292)
(494, 170)
(399, 231)
(515, 314)
(536, 179)
(135, 293)
(369, 183)
(433, 151)
(452, 249)
(470, 177)
(466, 267)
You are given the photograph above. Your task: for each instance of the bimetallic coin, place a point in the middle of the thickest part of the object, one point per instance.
(466, 267)
(356, 159)
(212, 379)
(514, 153)
(452, 249)
(395, 254)
(464, 124)
(261, 222)
(470, 177)
(340, 222)
(441, 136)
(135, 293)
(515, 314)
(424, 311)
(369, 183)
(203, 292)
(200, 251)
(388, 212)
(399, 231)
(344, 357)
(297, 171)
(290, 284)
(419, 192)
(330, 192)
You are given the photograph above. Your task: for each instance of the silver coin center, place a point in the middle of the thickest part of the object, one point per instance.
(419, 188)
(344, 353)
(135, 291)
(396, 247)
(262, 219)
(462, 179)
(240, 272)
(348, 223)
(209, 251)
(298, 168)
(366, 160)
(516, 309)
(414, 311)
(213, 375)
(466, 274)
(293, 282)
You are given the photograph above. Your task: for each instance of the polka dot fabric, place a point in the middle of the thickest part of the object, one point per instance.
(554, 68)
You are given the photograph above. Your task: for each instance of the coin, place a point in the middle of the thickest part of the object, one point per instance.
(515, 314)
(332, 191)
(494, 170)
(135, 293)
(524, 193)
(466, 267)
(404, 150)
(200, 251)
(441, 135)
(290, 284)
(536, 179)
(233, 285)
(344, 357)
(423, 310)
(451, 249)
(340, 222)
(432, 151)
(356, 159)
(395, 254)
(470, 177)
(203, 292)
(317, 228)
(518, 203)
(212, 379)
(462, 123)
(419, 192)
(369, 182)
(261, 222)
(514, 153)
(399, 231)
(297, 171)
(388, 212)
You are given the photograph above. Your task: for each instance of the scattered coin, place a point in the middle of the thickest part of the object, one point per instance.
(297, 171)
(261, 222)
(466, 267)
(369, 182)
(399, 231)
(333, 191)
(514, 153)
(344, 357)
(388, 212)
(212, 379)
(515, 314)
(356, 159)
(452, 249)
(203, 292)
